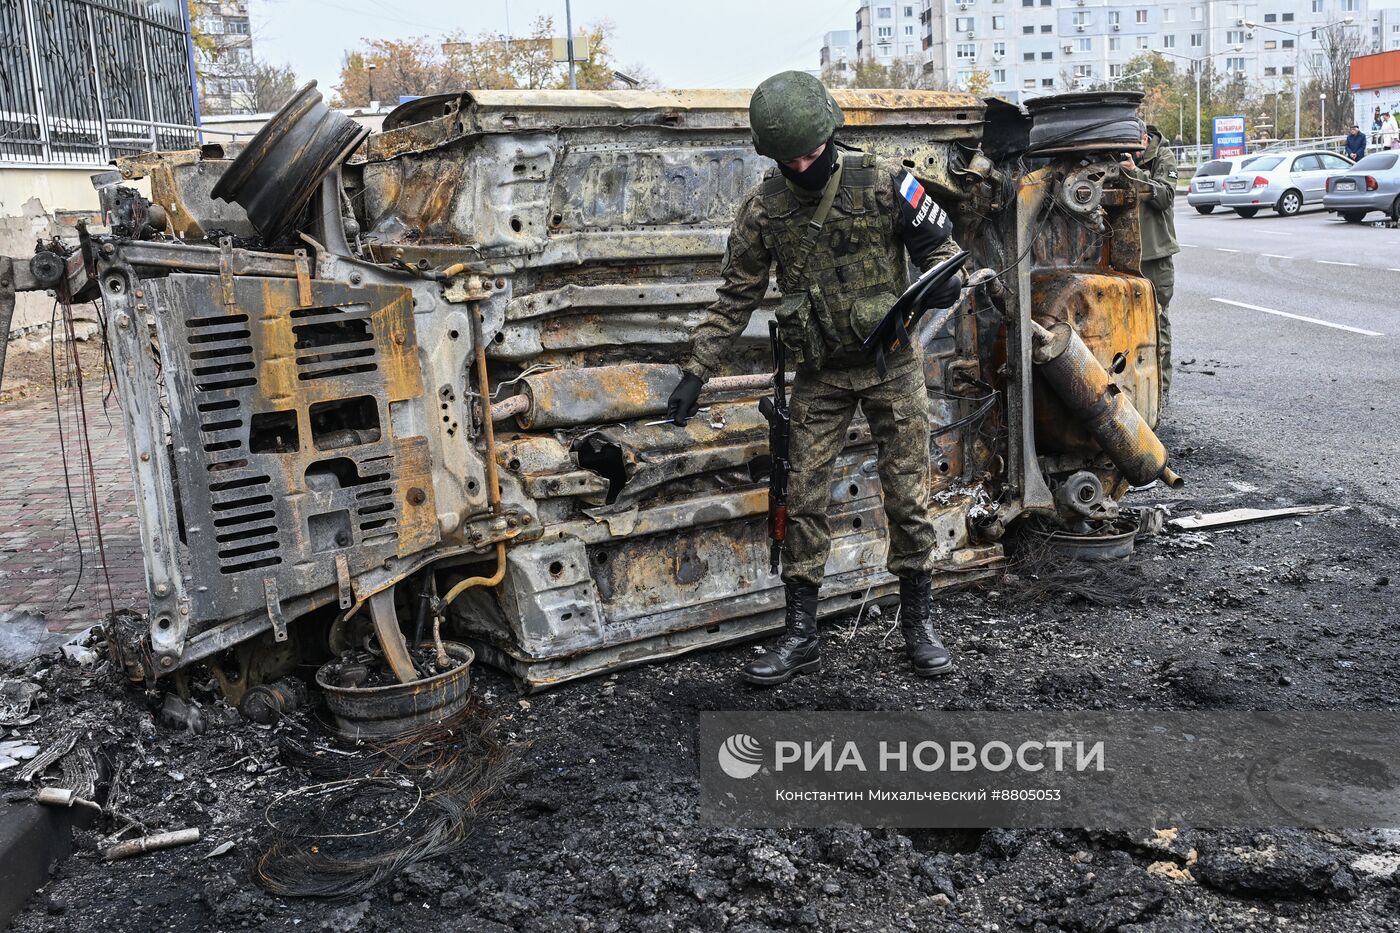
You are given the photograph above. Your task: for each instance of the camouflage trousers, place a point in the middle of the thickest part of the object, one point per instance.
(1161, 273)
(896, 408)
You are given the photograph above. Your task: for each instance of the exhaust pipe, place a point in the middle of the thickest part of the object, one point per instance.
(1081, 382)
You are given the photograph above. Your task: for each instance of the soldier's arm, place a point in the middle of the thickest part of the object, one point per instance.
(920, 224)
(1159, 184)
(745, 272)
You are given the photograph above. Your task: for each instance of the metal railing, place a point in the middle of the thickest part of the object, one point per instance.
(85, 81)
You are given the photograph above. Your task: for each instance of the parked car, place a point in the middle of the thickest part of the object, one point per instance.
(1209, 181)
(1284, 181)
(1372, 184)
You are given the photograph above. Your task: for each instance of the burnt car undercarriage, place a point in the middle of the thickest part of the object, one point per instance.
(376, 385)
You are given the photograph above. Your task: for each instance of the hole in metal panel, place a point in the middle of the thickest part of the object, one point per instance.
(331, 333)
(238, 483)
(231, 520)
(246, 533)
(222, 425)
(216, 321)
(345, 422)
(337, 473)
(218, 405)
(245, 502)
(330, 530)
(274, 432)
(222, 445)
(272, 561)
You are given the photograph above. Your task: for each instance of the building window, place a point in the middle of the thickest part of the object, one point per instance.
(909, 11)
(1317, 6)
(1270, 71)
(1081, 18)
(1196, 40)
(999, 76)
(1028, 83)
(1234, 64)
(1115, 43)
(1140, 17)
(1271, 17)
(1047, 82)
(965, 23)
(1288, 17)
(1169, 42)
(909, 30)
(884, 12)
(1083, 45)
(1047, 56)
(999, 48)
(1168, 15)
(237, 27)
(1351, 6)
(1114, 17)
(1270, 44)
(1047, 28)
(1235, 37)
(1142, 42)
(884, 32)
(967, 50)
(964, 76)
(1083, 71)
(1027, 30)
(1026, 57)
(1287, 70)
(998, 22)
(1115, 71)
(1288, 43)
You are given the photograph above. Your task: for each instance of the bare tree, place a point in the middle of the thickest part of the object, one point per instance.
(270, 86)
(1338, 44)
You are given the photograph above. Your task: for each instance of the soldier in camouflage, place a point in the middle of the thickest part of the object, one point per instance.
(1154, 170)
(837, 223)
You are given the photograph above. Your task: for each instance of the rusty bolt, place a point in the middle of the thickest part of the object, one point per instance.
(184, 610)
(356, 278)
(140, 293)
(123, 321)
(511, 522)
(417, 496)
(167, 662)
(500, 283)
(108, 249)
(526, 519)
(146, 457)
(162, 589)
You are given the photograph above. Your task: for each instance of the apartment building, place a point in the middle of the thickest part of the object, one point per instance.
(223, 55)
(1033, 47)
(838, 51)
(887, 30)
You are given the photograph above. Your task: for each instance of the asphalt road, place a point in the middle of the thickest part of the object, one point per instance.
(1286, 338)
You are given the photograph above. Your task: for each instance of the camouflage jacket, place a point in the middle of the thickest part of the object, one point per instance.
(905, 220)
(1156, 178)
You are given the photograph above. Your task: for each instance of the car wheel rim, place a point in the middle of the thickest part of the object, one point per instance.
(1290, 203)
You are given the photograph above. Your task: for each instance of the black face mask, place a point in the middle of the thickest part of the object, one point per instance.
(816, 175)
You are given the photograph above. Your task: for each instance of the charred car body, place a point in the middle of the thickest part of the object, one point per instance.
(370, 381)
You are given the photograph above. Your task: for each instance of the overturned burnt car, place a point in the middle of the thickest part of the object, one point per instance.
(372, 384)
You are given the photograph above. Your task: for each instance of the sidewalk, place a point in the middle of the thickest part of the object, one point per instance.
(39, 554)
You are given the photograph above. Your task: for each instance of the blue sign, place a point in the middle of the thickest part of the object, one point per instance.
(1227, 137)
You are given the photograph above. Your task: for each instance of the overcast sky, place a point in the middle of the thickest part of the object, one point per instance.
(710, 43)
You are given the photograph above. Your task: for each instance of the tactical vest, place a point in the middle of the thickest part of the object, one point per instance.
(854, 271)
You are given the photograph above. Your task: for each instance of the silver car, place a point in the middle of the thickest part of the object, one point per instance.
(1284, 181)
(1203, 193)
(1373, 184)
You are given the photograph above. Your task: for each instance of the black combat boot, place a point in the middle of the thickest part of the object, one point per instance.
(798, 651)
(927, 655)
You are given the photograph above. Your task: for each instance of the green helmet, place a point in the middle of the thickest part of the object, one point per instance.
(790, 114)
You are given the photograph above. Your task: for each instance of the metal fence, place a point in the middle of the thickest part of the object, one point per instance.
(85, 81)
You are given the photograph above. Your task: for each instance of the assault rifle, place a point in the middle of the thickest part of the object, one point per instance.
(775, 409)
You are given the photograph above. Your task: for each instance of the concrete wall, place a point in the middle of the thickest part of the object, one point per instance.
(33, 205)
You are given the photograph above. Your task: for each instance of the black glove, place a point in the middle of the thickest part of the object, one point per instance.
(945, 294)
(685, 399)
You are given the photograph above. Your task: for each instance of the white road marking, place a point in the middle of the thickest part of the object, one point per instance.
(1277, 256)
(1392, 270)
(1299, 317)
(1219, 249)
(1194, 246)
(1329, 262)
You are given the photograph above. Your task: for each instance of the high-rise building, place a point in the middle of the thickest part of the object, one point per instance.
(838, 51)
(223, 56)
(1031, 47)
(887, 30)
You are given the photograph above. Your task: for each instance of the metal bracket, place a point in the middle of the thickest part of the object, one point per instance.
(226, 271)
(303, 278)
(274, 609)
(342, 580)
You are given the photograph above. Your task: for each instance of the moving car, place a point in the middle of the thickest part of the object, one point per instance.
(1373, 184)
(1284, 181)
(1209, 181)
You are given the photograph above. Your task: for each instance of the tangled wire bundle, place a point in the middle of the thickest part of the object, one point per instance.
(374, 813)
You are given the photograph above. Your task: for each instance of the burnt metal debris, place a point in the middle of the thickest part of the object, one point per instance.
(435, 367)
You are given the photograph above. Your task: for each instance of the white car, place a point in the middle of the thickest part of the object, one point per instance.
(1284, 181)
(1203, 193)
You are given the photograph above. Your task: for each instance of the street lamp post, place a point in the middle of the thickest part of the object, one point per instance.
(1298, 66)
(370, 68)
(1198, 65)
(569, 43)
(1322, 116)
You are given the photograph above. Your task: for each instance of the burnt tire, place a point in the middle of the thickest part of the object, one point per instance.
(1246, 212)
(1204, 208)
(1352, 217)
(1289, 203)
